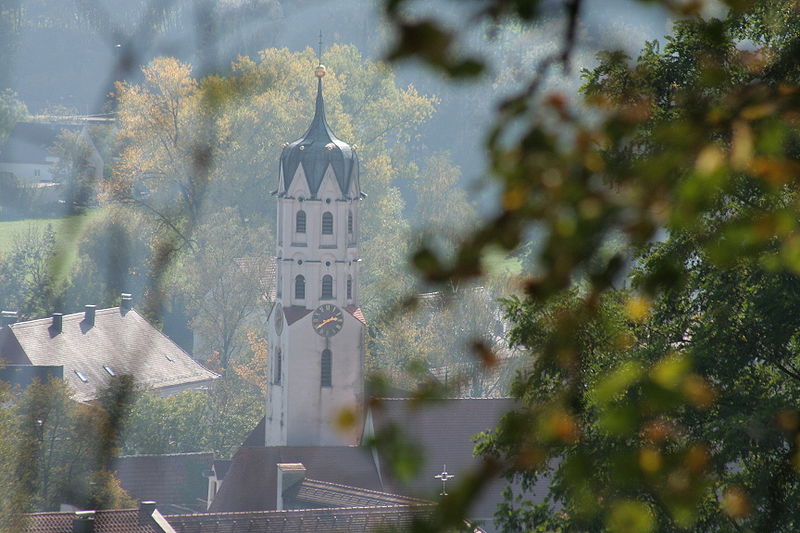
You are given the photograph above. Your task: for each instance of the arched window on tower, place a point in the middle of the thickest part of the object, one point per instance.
(299, 288)
(327, 287)
(349, 287)
(300, 222)
(349, 222)
(327, 223)
(276, 379)
(326, 368)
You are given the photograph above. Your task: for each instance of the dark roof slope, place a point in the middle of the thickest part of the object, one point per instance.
(444, 430)
(251, 482)
(167, 479)
(30, 142)
(338, 520)
(122, 342)
(316, 150)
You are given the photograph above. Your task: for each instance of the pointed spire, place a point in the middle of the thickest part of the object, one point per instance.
(319, 128)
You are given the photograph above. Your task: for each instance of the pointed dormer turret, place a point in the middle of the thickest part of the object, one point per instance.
(316, 151)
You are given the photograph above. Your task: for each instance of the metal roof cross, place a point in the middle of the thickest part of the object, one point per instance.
(445, 477)
(319, 50)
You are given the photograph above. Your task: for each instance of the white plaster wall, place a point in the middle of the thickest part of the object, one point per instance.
(26, 172)
(299, 411)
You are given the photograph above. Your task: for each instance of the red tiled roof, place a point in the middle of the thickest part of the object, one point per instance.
(251, 481)
(123, 341)
(113, 521)
(166, 479)
(356, 312)
(335, 520)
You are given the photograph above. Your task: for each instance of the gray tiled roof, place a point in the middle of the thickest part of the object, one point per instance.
(337, 520)
(122, 341)
(251, 482)
(313, 494)
(175, 478)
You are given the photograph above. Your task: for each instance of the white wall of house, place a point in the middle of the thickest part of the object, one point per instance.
(30, 173)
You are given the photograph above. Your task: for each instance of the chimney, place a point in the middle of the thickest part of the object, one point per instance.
(289, 475)
(58, 320)
(7, 318)
(83, 522)
(125, 302)
(146, 510)
(88, 315)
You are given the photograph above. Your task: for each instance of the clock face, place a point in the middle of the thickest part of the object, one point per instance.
(278, 319)
(327, 320)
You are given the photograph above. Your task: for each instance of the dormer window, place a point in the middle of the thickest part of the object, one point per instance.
(81, 376)
(109, 370)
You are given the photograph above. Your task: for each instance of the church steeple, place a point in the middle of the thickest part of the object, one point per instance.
(316, 329)
(318, 149)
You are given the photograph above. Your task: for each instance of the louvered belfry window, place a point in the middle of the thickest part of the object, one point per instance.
(327, 223)
(327, 287)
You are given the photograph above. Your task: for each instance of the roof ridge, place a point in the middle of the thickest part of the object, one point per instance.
(70, 316)
(370, 491)
(297, 511)
(164, 454)
(433, 400)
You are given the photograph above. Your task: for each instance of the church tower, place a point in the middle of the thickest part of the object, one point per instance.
(316, 328)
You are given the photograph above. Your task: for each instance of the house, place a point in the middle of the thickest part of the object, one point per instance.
(97, 344)
(26, 154)
(145, 519)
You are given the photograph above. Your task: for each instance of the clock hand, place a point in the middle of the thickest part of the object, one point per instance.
(325, 322)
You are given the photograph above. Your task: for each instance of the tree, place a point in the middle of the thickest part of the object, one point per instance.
(58, 451)
(75, 168)
(683, 415)
(190, 147)
(217, 420)
(28, 280)
(12, 110)
(227, 284)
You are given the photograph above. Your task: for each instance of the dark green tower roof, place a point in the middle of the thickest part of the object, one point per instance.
(316, 150)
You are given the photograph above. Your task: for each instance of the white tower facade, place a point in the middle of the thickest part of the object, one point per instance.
(316, 328)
